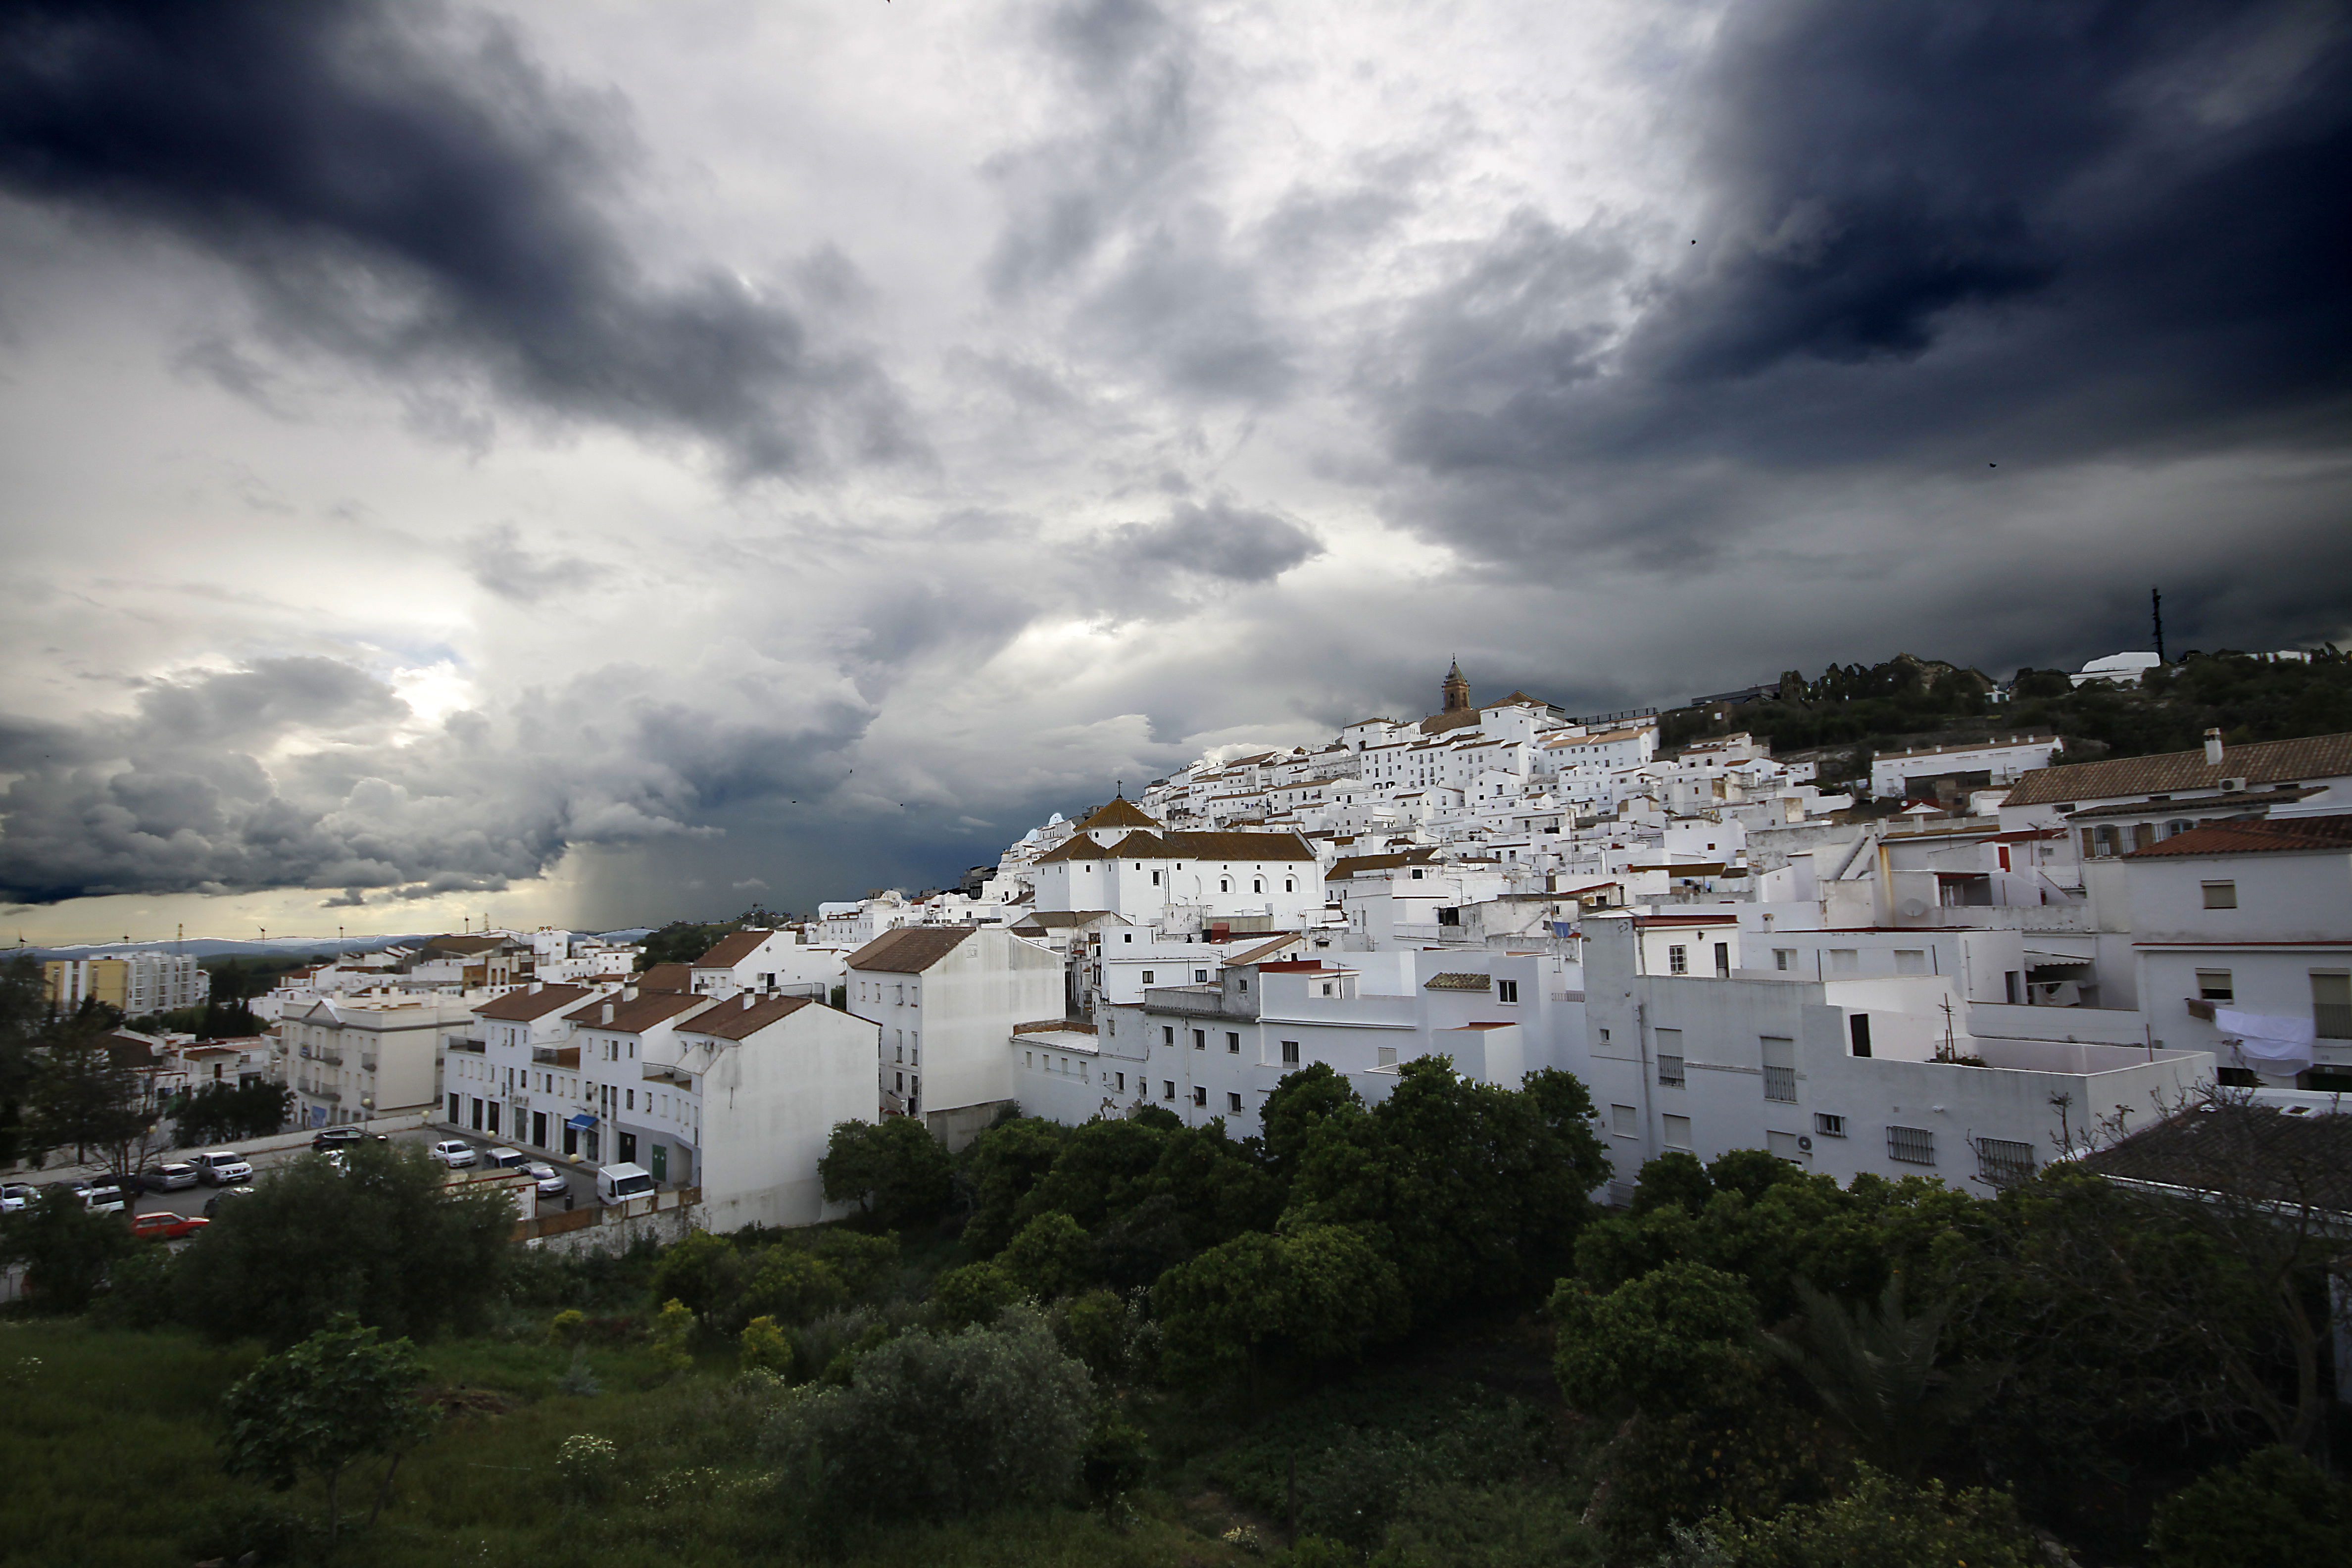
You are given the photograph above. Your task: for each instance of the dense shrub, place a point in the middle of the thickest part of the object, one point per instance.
(942, 1426)
(2275, 1506)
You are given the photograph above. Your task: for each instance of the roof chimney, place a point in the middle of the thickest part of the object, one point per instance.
(751, 999)
(2213, 747)
(608, 1012)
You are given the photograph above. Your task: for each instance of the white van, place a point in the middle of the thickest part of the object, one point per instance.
(618, 1184)
(220, 1167)
(505, 1159)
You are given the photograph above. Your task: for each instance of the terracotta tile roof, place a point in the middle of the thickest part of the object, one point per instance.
(732, 948)
(462, 944)
(2276, 835)
(523, 1005)
(2199, 805)
(1054, 1026)
(1436, 723)
(909, 950)
(2262, 763)
(1118, 812)
(667, 977)
(731, 1020)
(1261, 953)
(1457, 982)
(1189, 844)
(1057, 920)
(2301, 1162)
(645, 1010)
(1358, 865)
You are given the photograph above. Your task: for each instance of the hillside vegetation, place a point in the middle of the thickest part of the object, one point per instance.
(1857, 711)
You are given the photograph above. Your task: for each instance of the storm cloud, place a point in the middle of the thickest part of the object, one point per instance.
(599, 464)
(404, 187)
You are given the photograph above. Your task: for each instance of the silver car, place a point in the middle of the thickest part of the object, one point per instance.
(550, 1184)
(171, 1176)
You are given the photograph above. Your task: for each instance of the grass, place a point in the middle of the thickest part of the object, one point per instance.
(108, 1452)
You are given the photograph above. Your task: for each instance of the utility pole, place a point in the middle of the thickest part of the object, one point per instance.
(2155, 605)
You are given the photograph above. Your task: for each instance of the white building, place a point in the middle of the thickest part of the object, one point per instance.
(2116, 670)
(353, 1058)
(489, 1067)
(946, 999)
(2244, 936)
(773, 962)
(1693, 1049)
(1924, 773)
(2122, 803)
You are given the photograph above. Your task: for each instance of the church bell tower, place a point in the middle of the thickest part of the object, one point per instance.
(1457, 691)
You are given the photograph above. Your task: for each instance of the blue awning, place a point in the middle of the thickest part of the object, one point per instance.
(582, 1121)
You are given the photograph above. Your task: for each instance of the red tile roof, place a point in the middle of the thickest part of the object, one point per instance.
(733, 1020)
(521, 1006)
(645, 1010)
(2271, 837)
(667, 977)
(732, 948)
(2262, 763)
(909, 950)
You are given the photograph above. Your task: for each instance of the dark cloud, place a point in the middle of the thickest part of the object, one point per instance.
(293, 772)
(1219, 540)
(418, 195)
(498, 562)
(2017, 231)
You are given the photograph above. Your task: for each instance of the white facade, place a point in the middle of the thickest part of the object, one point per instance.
(945, 1001)
(353, 1059)
(2003, 762)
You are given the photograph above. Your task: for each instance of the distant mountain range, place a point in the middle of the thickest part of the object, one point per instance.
(267, 947)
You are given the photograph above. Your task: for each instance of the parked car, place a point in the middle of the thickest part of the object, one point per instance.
(14, 1195)
(454, 1152)
(165, 1227)
(100, 1199)
(619, 1183)
(171, 1176)
(505, 1159)
(222, 1167)
(213, 1203)
(550, 1183)
(345, 1137)
(339, 1159)
(112, 1195)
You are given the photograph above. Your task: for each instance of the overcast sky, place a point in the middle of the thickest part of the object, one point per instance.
(592, 462)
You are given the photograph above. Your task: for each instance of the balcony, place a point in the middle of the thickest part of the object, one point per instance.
(566, 1057)
(466, 1043)
(656, 1072)
(1198, 1002)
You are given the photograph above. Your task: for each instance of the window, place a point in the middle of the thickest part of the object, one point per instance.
(1677, 1132)
(1621, 1121)
(1780, 1067)
(1028, 1059)
(1199, 1096)
(1199, 977)
(1386, 1056)
(1670, 1056)
(1327, 988)
(1168, 1090)
(1225, 884)
(1257, 884)
(1506, 990)
(1155, 879)
(1722, 961)
(1678, 959)
(2001, 1162)
(1416, 873)
(1844, 961)
(2221, 895)
(1290, 884)
(1910, 961)
(1290, 1053)
(1828, 1126)
(2013, 987)
(1122, 1081)
(1911, 1145)
(2331, 1005)
(1167, 1034)
(1783, 957)
(1200, 1039)
(1857, 1031)
(1784, 1146)
(1148, 979)
(1232, 1043)
(2215, 986)
(1234, 1103)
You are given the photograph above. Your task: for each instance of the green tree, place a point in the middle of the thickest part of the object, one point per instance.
(792, 1287)
(23, 1010)
(386, 1243)
(80, 1096)
(1051, 1257)
(671, 1333)
(1301, 1102)
(66, 1249)
(1675, 1338)
(1469, 1190)
(975, 1293)
(338, 1398)
(703, 1270)
(229, 1112)
(1320, 1295)
(1000, 1166)
(896, 1172)
(766, 1347)
(942, 1425)
(2273, 1506)
(1875, 1371)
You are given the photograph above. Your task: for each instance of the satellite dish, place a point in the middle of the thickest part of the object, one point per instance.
(1913, 908)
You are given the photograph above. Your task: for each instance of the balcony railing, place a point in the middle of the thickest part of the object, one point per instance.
(466, 1043)
(1198, 1002)
(555, 1055)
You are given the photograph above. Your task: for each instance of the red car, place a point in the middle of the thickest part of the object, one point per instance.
(165, 1227)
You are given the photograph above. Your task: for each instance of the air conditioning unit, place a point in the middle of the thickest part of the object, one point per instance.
(2233, 786)
(1806, 1144)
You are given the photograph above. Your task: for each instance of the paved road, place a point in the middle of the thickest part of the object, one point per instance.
(192, 1200)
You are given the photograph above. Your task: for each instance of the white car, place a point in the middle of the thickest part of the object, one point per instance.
(221, 1167)
(101, 1198)
(14, 1195)
(454, 1152)
(550, 1184)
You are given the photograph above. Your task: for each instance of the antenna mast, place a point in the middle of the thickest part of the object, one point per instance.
(2155, 606)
